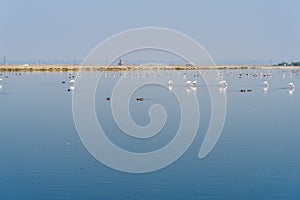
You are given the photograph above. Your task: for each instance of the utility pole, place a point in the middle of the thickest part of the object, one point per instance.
(4, 60)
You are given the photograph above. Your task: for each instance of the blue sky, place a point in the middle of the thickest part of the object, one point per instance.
(231, 31)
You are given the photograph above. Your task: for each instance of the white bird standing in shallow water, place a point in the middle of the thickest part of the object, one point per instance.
(188, 87)
(71, 85)
(71, 88)
(194, 84)
(222, 87)
(223, 84)
(1, 83)
(170, 85)
(292, 88)
(188, 83)
(266, 86)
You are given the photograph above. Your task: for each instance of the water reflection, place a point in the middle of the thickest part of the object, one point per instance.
(291, 91)
(259, 145)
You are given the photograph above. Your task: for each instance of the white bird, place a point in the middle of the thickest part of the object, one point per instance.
(219, 75)
(188, 87)
(266, 87)
(222, 87)
(194, 84)
(1, 79)
(71, 85)
(223, 83)
(72, 88)
(292, 86)
(188, 84)
(170, 85)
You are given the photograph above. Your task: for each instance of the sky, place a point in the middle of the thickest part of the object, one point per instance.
(232, 31)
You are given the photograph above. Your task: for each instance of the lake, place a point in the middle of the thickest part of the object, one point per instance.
(256, 156)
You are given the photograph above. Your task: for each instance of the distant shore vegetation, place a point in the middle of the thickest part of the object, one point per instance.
(282, 64)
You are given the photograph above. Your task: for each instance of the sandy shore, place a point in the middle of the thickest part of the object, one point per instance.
(66, 68)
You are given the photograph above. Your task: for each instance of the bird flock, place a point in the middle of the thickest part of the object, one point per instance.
(190, 85)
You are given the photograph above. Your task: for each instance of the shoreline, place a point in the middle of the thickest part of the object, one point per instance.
(76, 68)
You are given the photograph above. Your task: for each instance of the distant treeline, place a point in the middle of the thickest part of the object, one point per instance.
(288, 64)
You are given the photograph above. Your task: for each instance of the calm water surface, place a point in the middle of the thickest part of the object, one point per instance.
(256, 157)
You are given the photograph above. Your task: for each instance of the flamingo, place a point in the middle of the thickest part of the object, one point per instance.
(265, 87)
(222, 87)
(223, 83)
(1, 83)
(194, 84)
(170, 84)
(71, 88)
(71, 85)
(188, 83)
